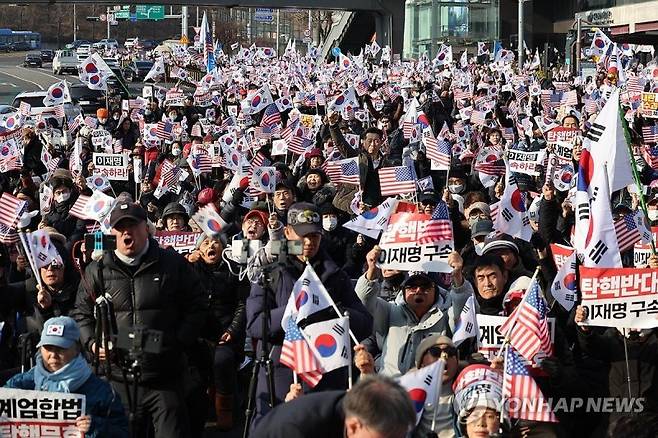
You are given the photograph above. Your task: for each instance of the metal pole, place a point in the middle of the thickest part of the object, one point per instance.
(309, 25)
(520, 45)
(107, 19)
(183, 23)
(75, 25)
(578, 45)
(197, 16)
(278, 29)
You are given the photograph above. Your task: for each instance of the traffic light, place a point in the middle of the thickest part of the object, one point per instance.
(93, 19)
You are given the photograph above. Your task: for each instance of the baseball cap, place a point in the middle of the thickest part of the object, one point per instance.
(418, 279)
(259, 214)
(429, 342)
(61, 331)
(481, 206)
(304, 218)
(481, 228)
(500, 241)
(429, 196)
(127, 210)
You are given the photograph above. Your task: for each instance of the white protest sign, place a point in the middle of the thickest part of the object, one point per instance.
(40, 413)
(401, 247)
(101, 139)
(491, 340)
(113, 166)
(620, 297)
(525, 162)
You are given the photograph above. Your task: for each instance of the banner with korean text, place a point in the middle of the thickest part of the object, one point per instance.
(403, 248)
(39, 414)
(113, 166)
(180, 241)
(620, 297)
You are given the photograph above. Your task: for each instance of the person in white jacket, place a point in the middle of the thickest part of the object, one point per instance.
(420, 310)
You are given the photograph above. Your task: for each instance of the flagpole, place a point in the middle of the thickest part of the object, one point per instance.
(349, 353)
(516, 314)
(502, 395)
(30, 258)
(636, 176)
(443, 359)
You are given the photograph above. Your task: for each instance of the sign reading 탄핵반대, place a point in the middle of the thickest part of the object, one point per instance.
(39, 414)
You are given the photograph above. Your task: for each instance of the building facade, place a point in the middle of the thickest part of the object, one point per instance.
(428, 23)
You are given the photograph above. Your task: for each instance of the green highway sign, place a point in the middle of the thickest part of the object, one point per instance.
(123, 13)
(150, 12)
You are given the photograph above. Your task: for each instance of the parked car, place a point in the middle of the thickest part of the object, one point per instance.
(32, 59)
(77, 43)
(35, 99)
(20, 46)
(83, 51)
(88, 100)
(5, 47)
(106, 43)
(149, 44)
(47, 55)
(65, 61)
(137, 70)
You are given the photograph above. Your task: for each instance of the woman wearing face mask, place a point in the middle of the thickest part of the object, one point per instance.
(64, 196)
(336, 239)
(104, 121)
(128, 133)
(225, 328)
(173, 116)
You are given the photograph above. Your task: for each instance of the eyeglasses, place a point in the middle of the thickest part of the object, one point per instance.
(436, 351)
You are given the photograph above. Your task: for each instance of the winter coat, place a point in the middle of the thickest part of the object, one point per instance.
(32, 157)
(108, 418)
(226, 302)
(283, 279)
(398, 330)
(368, 171)
(162, 293)
(59, 218)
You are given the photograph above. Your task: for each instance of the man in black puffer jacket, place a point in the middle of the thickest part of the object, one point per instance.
(154, 288)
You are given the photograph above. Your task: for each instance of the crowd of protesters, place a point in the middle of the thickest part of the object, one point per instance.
(212, 319)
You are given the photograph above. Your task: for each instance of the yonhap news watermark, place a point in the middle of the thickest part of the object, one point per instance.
(569, 405)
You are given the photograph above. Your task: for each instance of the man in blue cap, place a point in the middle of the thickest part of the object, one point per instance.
(61, 368)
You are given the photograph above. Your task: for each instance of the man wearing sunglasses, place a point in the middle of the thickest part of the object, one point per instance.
(304, 224)
(421, 309)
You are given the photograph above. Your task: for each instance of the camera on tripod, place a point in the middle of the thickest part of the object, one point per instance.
(138, 340)
(99, 242)
(284, 247)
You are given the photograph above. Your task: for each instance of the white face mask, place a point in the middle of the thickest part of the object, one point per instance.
(456, 188)
(479, 247)
(653, 215)
(102, 120)
(63, 197)
(329, 223)
(175, 152)
(172, 117)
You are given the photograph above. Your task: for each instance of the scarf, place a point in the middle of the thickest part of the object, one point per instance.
(67, 379)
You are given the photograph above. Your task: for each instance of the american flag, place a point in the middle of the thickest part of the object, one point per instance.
(650, 134)
(343, 171)
(298, 356)
(438, 228)
(549, 99)
(320, 98)
(229, 121)
(527, 327)
(8, 236)
(397, 180)
(259, 160)
(493, 168)
(10, 209)
(262, 132)
(628, 233)
(362, 87)
(170, 173)
(91, 122)
(59, 111)
(11, 163)
(591, 105)
(650, 155)
(520, 386)
(201, 162)
(508, 134)
(569, 98)
(164, 129)
(78, 209)
(438, 150)
(460, 94)
(521, 93)
(75, 122)
(271, 116)
(634, 84)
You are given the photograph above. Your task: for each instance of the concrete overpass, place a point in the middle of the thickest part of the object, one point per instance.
(388, 14)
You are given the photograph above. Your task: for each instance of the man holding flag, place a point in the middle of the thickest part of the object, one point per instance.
(303, 226)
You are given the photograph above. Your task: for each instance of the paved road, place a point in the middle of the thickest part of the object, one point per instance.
(14, 78)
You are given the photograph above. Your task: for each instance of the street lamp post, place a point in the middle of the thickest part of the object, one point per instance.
(520, 35)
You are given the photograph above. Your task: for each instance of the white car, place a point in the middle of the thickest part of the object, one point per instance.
(65, 60)
(35, 99)
(106, 43)
(83, 51)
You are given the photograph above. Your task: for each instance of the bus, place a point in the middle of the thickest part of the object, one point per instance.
(33, 39)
